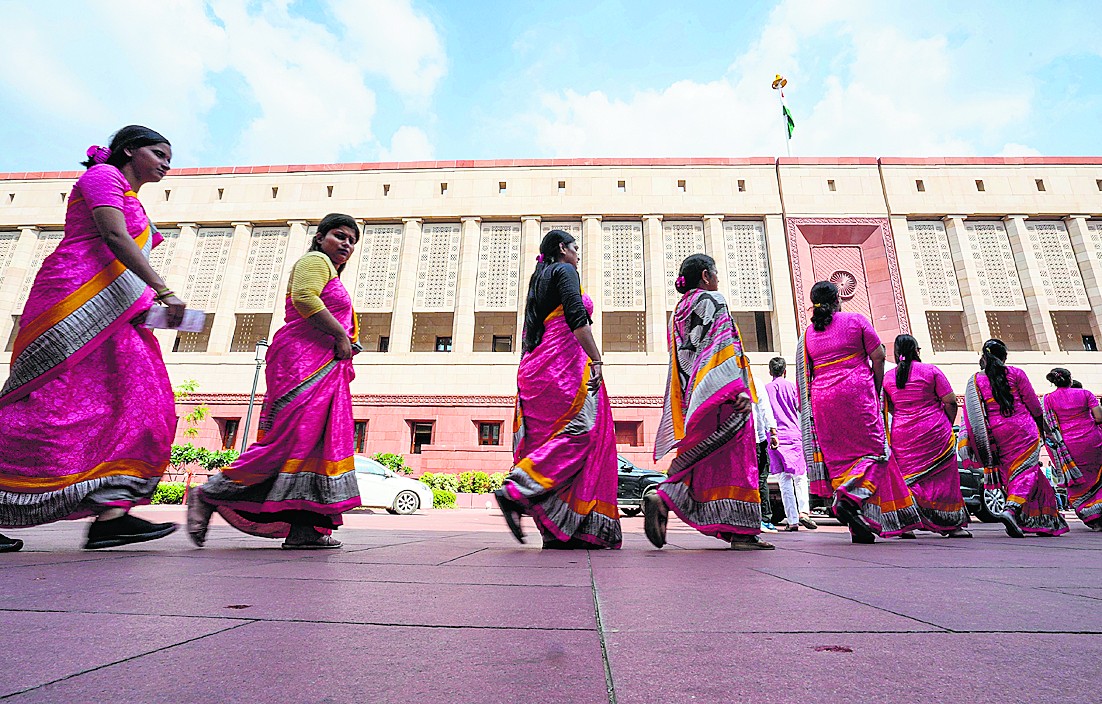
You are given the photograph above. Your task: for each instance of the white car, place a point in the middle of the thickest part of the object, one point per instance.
(382, 488)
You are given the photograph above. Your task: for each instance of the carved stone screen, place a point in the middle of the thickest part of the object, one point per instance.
(936, 277)
(680, 238)
(1059, 276)
(377, 276)
(437, 267)
(498, 266)
(747, 265)
(263, 269)
(989, 248)
(44, 247)
(208, 265)
(574, 227)
(8, 241)
(845, 268)
(1094, 239)
(622, 260)
(161, 256)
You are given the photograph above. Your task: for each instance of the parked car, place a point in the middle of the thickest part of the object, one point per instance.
(382, 488)
(633, 484)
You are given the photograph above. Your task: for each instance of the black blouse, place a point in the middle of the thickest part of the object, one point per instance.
(559, 284)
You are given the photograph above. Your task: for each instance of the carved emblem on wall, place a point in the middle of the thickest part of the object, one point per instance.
(846, 283)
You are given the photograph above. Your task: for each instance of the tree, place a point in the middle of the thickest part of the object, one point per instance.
(181, 392)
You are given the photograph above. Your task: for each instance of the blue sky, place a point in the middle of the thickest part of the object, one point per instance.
(318, 81)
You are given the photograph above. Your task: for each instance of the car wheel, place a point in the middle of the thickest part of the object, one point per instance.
(405, 503)
(994, 502)
(630, 511)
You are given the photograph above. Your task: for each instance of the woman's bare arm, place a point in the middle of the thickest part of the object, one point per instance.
(112, 228)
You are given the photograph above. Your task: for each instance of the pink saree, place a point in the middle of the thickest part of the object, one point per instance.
(1009, 450)
(924, 445)
(1074, 442)
(301, 468)
(564, 444)
(713, 481)
(843, 426)
(87, 411)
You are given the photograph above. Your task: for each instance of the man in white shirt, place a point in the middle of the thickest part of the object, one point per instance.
(765, 431)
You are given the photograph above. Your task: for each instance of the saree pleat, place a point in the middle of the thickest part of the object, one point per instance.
(301, 468)
(83, 370)
(713, 480)
(564, 451)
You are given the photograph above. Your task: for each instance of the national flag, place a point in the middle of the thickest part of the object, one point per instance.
(789, 122)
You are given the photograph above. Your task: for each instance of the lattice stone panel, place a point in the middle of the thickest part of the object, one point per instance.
(44, 247)
(250, 328)
(747, 265)
(498, 266)
(438, 267)
(936, 277)
(1058, 273)
(311, 230)
(160, 258)
(377, 277)
(1094, 239)
(263, 268)
(989, 248)
(8, 242)
(572, 226)
(208, 266)
(622, 259)
(680, 238)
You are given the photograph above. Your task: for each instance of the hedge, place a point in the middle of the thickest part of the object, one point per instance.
(443, 499)
(168, 493)
(464, 482)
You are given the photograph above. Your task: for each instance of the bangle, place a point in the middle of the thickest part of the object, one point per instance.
(164, 293)
(598, 363)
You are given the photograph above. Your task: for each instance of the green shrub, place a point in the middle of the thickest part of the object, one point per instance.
(497, 479)
(443, 499)
(168, 493)
(475, 483)
(393, 462)
(445, 482)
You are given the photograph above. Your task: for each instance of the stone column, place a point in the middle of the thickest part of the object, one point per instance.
(297, 244)
(1038, 319)
(786, 330)
(975, 316)
(175, 275)
(593, 239)
(463, 326)
(1089, 266)
(225, 320)
(908, 271)
(655, 283)
(401, 325)
(713, 247)
(531, 235)
(14, 275)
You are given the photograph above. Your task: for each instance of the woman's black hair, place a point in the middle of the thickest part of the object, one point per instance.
(330, 222)
(824, 298)
(1076, 384)
(550, 251)
(1059, 377)
(994, 366)
(692, 271)
(777, 365)
(906, 352)
(129, 137)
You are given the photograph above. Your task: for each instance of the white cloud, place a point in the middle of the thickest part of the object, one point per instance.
(408, 143)
(1013, 149)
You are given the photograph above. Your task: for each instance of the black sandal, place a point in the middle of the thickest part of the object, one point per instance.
(850, 514)
(655, 519)
(511, 511)
(10, 544)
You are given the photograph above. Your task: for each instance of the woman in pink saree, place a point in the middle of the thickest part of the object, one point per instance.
(1073, 438)
(840, 371)
(299, 476)
(564, 444)
(708, 418)
(923, 444)
(1002, 423)
(87, 412)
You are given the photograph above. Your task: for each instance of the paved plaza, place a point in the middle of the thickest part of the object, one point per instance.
(445, 606)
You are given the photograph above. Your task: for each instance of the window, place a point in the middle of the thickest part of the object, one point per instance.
(228, 428)
(756, 328)
(562, 187)
(443, 344)
(1040, 183)
(420, 435)
(250, 328)
(443, 188)
(14, 332)
(681, 185)
(221, 192)
(1097, 182)
(741, 186)
(1074, 330)
(920, 186)
(359, 434)
(979, 185)
(830, 185)
(629, 432)
(275, 191)
(168, 192)
(489, 433)
(501, 186)
(503, 343)
(621, 186)
(384, 343)
(946, 330)
(1089, 344)
(329, 191)
(386, 189)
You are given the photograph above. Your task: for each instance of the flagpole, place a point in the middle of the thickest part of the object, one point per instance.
(778, 85)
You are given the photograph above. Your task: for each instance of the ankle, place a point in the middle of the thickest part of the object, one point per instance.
(111, 514)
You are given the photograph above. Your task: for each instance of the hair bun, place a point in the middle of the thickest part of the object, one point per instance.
(98, 154)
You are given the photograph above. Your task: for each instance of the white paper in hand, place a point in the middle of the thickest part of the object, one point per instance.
(193, 321)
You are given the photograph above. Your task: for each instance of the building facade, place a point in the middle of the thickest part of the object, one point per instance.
(952, 251)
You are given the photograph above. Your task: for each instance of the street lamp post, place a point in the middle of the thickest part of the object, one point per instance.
(261, 351)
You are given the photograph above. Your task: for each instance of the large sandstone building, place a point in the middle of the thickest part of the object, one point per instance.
(951, 250)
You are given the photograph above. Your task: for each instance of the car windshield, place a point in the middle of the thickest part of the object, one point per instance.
(368, 466)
